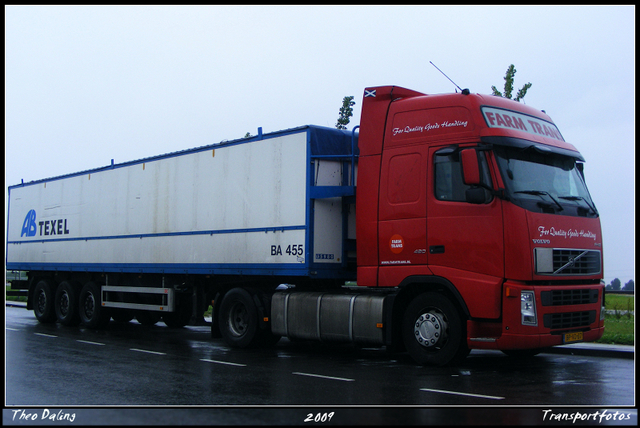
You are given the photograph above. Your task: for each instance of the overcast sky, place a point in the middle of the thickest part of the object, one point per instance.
(87, 84)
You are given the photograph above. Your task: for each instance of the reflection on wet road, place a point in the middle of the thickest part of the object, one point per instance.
(134, 365)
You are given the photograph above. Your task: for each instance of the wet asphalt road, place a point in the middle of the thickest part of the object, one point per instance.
(52, 366)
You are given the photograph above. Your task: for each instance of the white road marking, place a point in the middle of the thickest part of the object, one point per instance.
(147, 352)
(462, 393)
(90, 343)
(45, 335)
(11, 329)
(222, 362)
(324, 377)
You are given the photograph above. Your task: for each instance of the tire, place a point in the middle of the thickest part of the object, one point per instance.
(238, 319)
(43, 302)
(66, 304)
(92, 313)
(433, 331)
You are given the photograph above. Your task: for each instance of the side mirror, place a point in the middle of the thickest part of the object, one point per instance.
(470, 167)
(476, 195)
(580, 167)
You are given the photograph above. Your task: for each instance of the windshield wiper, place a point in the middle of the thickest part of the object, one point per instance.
(577, 198)
(540, 193)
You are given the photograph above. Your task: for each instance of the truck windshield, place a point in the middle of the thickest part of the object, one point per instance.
(543, 181)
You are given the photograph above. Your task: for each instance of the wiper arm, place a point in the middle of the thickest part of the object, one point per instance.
(577, 198)
(540, 193)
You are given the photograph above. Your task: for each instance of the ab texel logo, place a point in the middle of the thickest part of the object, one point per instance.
(29, 225)
(43, 228)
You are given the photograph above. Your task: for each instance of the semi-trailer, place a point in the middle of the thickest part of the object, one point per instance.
(442, 223)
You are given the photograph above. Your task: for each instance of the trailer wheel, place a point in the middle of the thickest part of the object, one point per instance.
(433, 331)
(238, 319)
(43, 302)
(92, 314)
(66, 304)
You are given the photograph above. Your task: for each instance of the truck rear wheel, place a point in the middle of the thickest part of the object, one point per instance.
(92, 314)
(238, 319)
(433, 330)
(66, 304)
(43, 302)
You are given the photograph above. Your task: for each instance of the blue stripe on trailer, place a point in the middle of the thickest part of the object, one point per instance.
(158, 235)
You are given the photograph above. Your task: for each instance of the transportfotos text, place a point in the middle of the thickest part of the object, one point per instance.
(549, 415)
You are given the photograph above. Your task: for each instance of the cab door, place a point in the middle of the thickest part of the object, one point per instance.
(464, 240)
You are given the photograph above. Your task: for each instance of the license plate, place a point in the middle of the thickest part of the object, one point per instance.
(572, 337)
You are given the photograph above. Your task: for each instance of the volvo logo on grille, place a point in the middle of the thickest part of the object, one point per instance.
(571, 262)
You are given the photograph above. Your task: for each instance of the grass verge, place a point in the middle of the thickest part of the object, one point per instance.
(619, 321)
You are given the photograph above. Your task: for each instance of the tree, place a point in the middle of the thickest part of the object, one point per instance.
(615, 284)
(508, 86)
(345, 112)
(629, 286)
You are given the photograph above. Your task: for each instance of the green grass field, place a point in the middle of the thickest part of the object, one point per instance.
(619, 321)
(621, 302)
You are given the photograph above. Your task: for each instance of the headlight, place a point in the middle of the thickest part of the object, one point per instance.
(528, 308)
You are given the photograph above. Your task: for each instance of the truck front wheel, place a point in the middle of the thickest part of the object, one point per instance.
(238, 319)
(433, 330)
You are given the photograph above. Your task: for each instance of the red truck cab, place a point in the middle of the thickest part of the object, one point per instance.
(478, 200)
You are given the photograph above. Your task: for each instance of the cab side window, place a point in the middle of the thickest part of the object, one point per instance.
(449, 185)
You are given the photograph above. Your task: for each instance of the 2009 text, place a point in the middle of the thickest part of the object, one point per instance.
(319, 417)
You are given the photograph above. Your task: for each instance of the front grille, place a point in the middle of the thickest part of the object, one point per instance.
(576, 262)
(569, 297)
(569, 320)
(564, 261)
